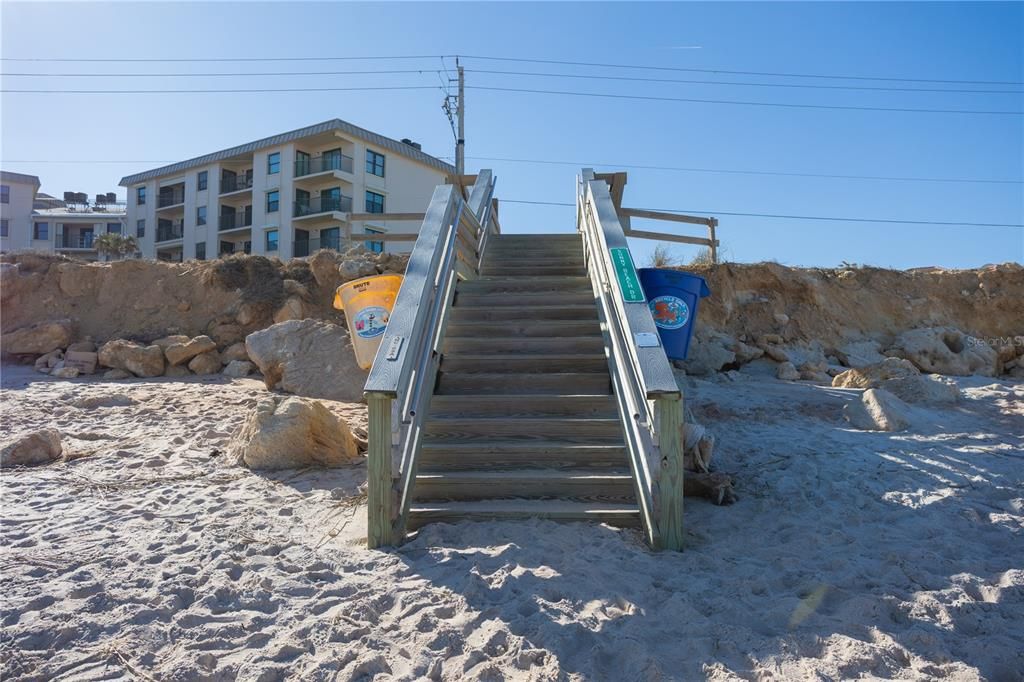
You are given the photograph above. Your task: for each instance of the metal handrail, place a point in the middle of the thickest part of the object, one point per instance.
(402, 377)
(648, 397)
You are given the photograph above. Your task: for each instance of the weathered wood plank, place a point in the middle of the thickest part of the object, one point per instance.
(378, 472)
(662, 237)
(670, 476)
(660, 215)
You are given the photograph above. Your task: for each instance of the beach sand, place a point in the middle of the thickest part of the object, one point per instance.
(850, 554)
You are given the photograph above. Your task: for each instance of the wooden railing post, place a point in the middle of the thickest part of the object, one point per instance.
(712, 224)
(378, 472)
(668, 412)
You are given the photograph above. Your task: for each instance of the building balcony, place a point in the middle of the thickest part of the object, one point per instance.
(235, 221)
(170, 199)
(170, 230)
(319, 205)
(238, 183)
(304, 247)
(323, 164)
(74, 241)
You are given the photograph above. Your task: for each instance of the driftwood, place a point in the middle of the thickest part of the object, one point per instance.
(717, 487)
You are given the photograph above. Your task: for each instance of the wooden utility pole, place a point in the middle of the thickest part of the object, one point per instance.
(460, 140)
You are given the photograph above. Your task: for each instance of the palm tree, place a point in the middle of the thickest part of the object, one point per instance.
(112, 244)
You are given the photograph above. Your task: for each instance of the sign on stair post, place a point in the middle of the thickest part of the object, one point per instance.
(629, 282)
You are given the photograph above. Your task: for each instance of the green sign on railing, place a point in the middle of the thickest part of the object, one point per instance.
(626, 274)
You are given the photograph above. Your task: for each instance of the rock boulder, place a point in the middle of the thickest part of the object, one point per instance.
(206, 363)
(39, 338)
(292, 432)
(40, 447)
(944, 350)
(308, 357)
(901, 378)
(239, 368)
(179, 353)
(878, 410)
(142, 361)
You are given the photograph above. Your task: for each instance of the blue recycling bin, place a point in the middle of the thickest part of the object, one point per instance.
(673, 297)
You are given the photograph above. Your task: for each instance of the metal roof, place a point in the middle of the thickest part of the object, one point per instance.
(8, 176)
(327, 126)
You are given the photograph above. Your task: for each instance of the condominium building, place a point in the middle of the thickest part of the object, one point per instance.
(286, 195)
(32, 221)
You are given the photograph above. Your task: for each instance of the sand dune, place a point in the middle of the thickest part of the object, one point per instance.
(850, 554)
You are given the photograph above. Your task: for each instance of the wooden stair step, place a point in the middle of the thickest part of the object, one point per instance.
(622, 515)
(528, 363)
(572, 484)
(451, 383)
(577, 429)
(489, 285)
(565, 345)
(526, 298)
(541, 237)
(534, 328)
(500, 313)
(491, 455)
(524, 405)
(533, 269)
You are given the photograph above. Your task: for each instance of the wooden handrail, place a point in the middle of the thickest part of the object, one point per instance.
(648, 398)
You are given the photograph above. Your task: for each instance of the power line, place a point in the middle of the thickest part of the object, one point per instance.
(745, 84)
(791, 217)
(216, 59)
(739, 73)
(584, 164)
(218, 74)
(214, 91)
(756, 104)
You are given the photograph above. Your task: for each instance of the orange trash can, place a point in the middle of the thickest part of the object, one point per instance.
(367, 303)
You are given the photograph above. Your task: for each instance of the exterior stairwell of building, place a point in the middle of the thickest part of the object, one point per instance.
(521, 376)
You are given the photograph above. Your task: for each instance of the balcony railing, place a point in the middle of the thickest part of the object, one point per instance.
(75, 241)
(304, 247)
(170, 230)
(233, 184)
(165, 199)
(304, 207)
(234, 221)
(319, 164)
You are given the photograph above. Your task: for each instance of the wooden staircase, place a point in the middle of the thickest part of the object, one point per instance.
(522, 422)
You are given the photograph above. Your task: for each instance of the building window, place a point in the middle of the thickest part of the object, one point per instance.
(201, 251)
(200, 215)
(113, 228)
(140, 196)
(4, 228)
(274, 163)
(5, 194)
(374, 202)
(201, 180)
(273, 201)
(40, 230)
(376, 247)
(140, 228)
(271, 240)
(374, 163)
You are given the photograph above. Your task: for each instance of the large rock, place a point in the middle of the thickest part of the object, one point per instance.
(944, 350)
(878, 410)
(901, 378)
(308, 357)
(65, 373)
(292, 432)
(172, 340)
(239, 368)
(35, 448)
(860, 353)
(142, 361)
(787, 372)
(38, 339)
(179, 353)
(709, 352)
(45, 363)
(206, 363)
(235, 351)
(292, 309)
(871, 376)
(226, 334)
(86, 346)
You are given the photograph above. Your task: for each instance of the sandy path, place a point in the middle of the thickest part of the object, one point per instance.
(849, 554)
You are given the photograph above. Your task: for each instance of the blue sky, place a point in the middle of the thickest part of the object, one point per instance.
(947, 41)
